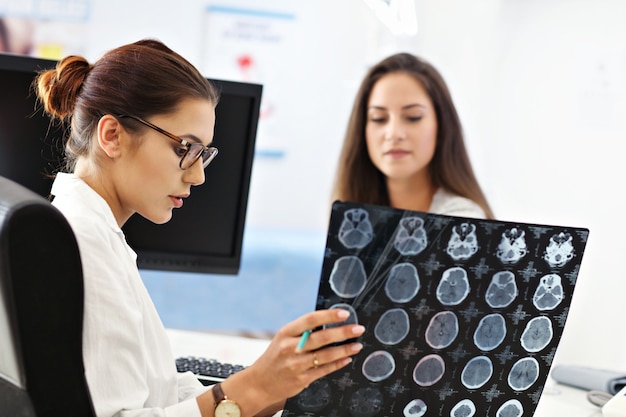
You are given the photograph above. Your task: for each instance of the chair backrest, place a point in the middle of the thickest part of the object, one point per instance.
(41, 310)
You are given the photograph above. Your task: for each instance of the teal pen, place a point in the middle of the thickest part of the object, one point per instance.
(303, 339)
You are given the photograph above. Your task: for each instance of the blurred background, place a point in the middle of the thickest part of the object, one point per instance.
(540, 86)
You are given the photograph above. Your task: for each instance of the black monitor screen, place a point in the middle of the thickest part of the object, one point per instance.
(206, 234)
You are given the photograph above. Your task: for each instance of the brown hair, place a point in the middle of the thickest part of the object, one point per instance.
(359, 180)
(142, 79)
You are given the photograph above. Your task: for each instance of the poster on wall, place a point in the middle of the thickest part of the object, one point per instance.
(248, 45)
(44, 29)
(463, 316)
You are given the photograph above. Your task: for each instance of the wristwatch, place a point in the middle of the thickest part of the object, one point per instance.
(224, 406)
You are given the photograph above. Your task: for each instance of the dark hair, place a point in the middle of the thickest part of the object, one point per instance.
(359, 180)
(4, 36)
(142, 79)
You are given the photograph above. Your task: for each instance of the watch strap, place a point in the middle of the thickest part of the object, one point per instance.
(218, 393)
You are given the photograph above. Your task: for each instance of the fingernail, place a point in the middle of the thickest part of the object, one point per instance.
(358, 330)
(356, 347)
(342, 314)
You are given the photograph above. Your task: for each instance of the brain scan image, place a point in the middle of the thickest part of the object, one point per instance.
(378, 366)
(463, 243)
(411, 238)
(549, 293)
(429, 370)
(512, 246)
(502, 290)
(477, 372)
(415, 408)
(453, 287)
(392, 327)
(403, 283)
(462, 316)
(315, 397)
(524, 373)
(464, 408)
(560, 250)
(365, 402)
(511, 408)
(356, 229)
(348, 277)
(352, 318)
(490, 332)
(442, 329)
(537, 334)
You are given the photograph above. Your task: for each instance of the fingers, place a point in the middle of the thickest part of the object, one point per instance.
(331, 335)
(315, 319)
(330, 357)
(285, 370)
(331, 329)
(325, 361)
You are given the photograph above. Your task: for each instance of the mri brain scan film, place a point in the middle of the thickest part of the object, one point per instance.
(463, 316)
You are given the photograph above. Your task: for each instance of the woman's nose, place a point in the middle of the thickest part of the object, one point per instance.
(194, 175)
(395, 131)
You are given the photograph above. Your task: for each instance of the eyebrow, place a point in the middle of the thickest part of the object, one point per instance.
(408, 106)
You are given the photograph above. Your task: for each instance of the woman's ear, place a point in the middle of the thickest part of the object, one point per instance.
(109, 132)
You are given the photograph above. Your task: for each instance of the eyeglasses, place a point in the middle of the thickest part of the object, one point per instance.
(193, 151)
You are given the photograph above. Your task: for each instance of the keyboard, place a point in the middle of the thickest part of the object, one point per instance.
(208, 371)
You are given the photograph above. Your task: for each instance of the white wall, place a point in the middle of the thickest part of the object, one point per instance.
(553, 143)
(540, 86)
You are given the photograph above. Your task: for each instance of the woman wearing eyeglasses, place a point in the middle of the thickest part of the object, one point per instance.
(141, 125)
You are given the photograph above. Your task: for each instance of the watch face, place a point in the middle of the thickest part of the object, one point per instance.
(227, 408)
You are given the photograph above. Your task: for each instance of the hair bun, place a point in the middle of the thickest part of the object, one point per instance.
(58, 88)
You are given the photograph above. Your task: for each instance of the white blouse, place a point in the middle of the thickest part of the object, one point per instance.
(446, 203)
(129, 365)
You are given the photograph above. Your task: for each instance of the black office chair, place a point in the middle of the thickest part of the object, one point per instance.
(41, 310)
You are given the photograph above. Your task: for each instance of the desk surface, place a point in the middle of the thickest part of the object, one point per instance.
(556, 401)
(563, 401)
(225, 348)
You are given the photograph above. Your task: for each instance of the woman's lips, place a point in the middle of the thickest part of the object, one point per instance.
(177, 201)
(396, 153)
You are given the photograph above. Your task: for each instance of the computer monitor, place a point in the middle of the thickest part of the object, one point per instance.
(205, 235)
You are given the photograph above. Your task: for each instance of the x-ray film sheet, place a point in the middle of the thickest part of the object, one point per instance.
(463, 316)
